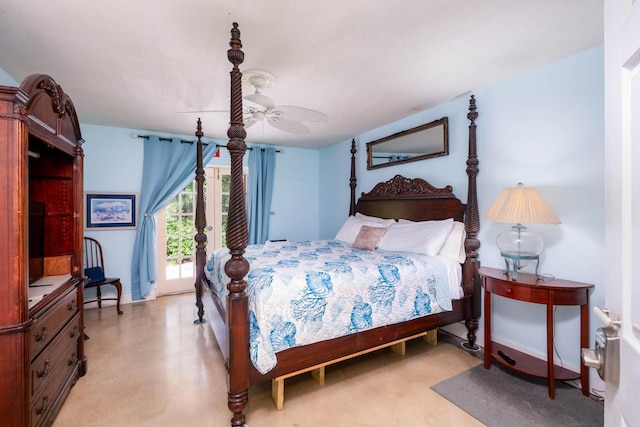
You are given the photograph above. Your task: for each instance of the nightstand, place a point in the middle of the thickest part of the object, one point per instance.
(551, 292)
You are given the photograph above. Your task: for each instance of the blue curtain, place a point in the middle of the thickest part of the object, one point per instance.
(167, 168)
(262, 166)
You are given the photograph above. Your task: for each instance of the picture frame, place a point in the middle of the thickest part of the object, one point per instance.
(110, 211)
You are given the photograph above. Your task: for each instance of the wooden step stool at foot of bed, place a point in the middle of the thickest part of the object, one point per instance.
(318, 371)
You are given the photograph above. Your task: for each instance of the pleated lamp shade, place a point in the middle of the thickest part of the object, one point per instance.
(520, 205)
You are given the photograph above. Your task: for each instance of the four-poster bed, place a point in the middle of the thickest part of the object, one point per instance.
(398, 198)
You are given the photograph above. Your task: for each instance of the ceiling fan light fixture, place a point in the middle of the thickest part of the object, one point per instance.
(258, 79)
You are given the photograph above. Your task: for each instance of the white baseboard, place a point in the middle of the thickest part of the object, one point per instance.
(125, 299)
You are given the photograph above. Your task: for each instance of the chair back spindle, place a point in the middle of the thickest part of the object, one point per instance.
(93, 259)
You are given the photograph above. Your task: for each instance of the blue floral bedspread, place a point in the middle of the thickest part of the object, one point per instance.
(305, 292)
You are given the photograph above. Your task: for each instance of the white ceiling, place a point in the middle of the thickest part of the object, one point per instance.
(365, 63)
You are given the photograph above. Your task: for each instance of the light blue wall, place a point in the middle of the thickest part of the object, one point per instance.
(7, 80)
(335, 164)
(295, 204)
(113, 163)
(544, 128)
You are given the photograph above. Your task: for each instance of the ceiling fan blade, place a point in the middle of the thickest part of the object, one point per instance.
(300, 114)
(260, 100)
(287, 125)
(250, 122)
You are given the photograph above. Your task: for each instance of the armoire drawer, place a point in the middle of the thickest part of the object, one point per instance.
(48, 398)
(51, 393)
(62, 350)
(46, 326)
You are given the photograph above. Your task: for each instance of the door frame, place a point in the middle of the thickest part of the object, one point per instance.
(622, 189)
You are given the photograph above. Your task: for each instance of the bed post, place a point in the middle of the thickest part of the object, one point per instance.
(237, 237)
(352, 179)
(472, 226)
(201, 224)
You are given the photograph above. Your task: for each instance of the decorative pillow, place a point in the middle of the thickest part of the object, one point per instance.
(384, 221)
(351, 228)
(425, 237)
(453, 246)
(95, 274)
(368, 237)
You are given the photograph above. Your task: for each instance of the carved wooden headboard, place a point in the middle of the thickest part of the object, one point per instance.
(414, 199)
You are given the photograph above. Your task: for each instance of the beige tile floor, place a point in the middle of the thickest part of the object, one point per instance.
(151, 366)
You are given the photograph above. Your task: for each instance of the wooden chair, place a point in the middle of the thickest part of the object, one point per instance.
(94, 270)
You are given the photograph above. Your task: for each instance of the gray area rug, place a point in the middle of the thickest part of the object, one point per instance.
(498, 397)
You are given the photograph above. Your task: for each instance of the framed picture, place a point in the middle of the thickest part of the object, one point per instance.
(110, 211)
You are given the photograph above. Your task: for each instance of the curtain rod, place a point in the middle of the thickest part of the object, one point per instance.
(162, 138)
(248, 148)
(182, 141)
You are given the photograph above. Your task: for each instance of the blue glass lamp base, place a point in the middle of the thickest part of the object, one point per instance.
(512, 261)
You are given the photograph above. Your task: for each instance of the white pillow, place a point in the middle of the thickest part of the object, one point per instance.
(425, 237)
(453, 246)
(350, 229)
(385, 222)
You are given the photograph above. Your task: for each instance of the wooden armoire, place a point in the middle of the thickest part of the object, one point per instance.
(41, 276)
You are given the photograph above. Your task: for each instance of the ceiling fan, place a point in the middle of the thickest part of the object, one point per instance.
(259, 107)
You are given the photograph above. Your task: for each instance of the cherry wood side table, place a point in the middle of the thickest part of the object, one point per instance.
(530, 288)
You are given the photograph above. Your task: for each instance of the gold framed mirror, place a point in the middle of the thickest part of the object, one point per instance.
(422, 142)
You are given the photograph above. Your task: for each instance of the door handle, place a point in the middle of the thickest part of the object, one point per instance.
(605, 317)
(605, 358)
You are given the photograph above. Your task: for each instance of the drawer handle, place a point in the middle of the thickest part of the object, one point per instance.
(43, 334)
(74, 333)
(45, 371)
(71, 306)
(73, 359)
(508, 290)
(45, 404)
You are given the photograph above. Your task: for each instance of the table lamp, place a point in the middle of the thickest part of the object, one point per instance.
(518, 245)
